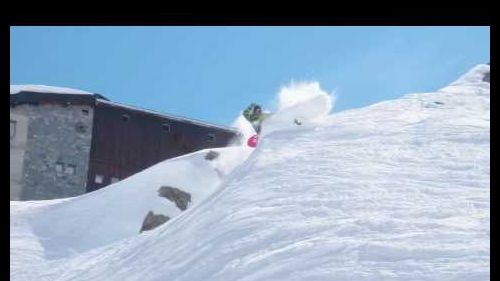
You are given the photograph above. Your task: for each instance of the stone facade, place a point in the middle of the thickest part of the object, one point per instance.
(56, 157)
(18, 139)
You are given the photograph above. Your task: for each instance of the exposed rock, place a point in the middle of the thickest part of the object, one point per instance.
(179, 197)
(211, 155)
(486, 77)
(152, 221)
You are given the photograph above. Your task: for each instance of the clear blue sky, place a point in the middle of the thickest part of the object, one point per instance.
(211, 73)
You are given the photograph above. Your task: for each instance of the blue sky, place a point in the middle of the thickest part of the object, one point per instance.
(211, 73)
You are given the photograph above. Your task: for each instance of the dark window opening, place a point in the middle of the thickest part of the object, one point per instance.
(166, 127)
(70, 169)
(125, 117)
(211, 138)
(12, 129)
(85, 111)
(80, 127)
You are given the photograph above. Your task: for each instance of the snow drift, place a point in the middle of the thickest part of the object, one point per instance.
(398, 190)
(305, 102)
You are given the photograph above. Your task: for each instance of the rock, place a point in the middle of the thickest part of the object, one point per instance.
(152, 221)
(211, 155)
(179, 197)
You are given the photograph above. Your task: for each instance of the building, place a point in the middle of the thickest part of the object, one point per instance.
(66, 142)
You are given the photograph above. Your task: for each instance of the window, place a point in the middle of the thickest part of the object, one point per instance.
(85, 111)
(80, 127)
(165, 127)
(99, 178)
(114, 179)
(70, 169)
(125, 117)
(59, 167)
(211, 138)
(12, 129)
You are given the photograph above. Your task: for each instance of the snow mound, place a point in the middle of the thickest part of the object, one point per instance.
(303, 102)
(14, 89)
(398, 190)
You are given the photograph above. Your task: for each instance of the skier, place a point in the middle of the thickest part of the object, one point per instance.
(255, 116)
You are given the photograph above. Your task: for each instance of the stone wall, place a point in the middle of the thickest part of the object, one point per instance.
(57, 150)
(18, 139)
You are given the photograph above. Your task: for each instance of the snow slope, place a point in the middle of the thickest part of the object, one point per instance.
(398, 190)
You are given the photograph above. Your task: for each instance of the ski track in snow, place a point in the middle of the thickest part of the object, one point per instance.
(398, 190)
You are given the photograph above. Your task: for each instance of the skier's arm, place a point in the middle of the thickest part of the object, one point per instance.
(246, 114)
(264, 116)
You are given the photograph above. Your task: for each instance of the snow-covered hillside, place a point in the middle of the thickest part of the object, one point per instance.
(398, 190)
